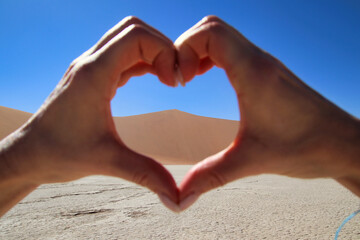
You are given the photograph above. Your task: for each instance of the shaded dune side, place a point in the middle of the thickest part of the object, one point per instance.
(170, 137)
(176, 137)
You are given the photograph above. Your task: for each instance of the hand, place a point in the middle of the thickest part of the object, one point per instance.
(73, 134)
(286, 128)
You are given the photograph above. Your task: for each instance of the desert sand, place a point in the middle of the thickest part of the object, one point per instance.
(98, 207)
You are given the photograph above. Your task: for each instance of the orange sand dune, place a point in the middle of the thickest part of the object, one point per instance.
(10, 120)
(172, 136)
(176, 137)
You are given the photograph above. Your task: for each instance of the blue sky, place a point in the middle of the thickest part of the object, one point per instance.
(318, 40)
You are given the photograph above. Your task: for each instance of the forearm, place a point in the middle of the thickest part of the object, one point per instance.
(13, 186)
(12, 193)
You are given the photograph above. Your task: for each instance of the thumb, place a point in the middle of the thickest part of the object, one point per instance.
(146, 172)
(213, 172)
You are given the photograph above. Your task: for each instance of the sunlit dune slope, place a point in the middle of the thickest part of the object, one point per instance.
(176, 137)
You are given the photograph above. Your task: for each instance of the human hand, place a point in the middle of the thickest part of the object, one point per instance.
(73, 134)
(286, 127)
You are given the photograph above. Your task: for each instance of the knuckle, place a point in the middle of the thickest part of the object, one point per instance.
(215, 25)
(216, 28)
(80, 60)
(73, 63)
(131, 20)
(136, 30)
(212, 18)
(87, 68)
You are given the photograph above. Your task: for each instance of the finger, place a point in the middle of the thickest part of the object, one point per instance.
(137, 70)
(118, 28)
(205, 65)
(212, 19)
(214, 39)
(213, 172)
(142, 170)
(122, 25)
(136, 44)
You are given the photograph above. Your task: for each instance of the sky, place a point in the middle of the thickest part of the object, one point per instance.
(318, 40)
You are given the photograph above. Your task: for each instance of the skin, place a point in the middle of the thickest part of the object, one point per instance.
(286, 127)
(73, 134)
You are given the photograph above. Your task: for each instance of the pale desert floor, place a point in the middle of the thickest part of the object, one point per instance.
(262, 207)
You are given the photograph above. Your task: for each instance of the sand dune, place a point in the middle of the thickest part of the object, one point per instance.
(10, 120)
(176, 137)
(172, 136)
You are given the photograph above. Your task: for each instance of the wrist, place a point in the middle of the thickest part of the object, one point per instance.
(14, 186)
(13, 152)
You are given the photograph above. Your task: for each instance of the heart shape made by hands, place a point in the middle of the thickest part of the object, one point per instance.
(133, 48)
(277, 110)
(211, 42)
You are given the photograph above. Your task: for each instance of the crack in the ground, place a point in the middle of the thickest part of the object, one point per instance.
(72, 194)
(84, 212)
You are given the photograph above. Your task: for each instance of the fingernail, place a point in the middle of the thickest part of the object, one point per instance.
(188, 201)
(169, 203)
(179, 77)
